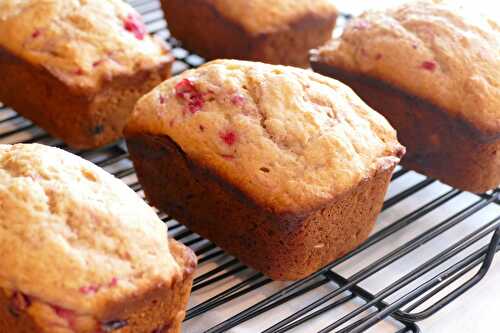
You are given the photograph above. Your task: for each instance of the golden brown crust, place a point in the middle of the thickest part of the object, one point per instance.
(438, 144)
(282, 246)
(89, 251)
(81, 43)
(288, 138)
(66, 217)
(261, 16)
(81, 120)
(76, 68)
(160, 310)
(205, 28)
(442, 51)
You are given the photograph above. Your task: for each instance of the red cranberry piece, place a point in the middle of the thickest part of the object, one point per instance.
(36, 33)
(113, 283)
(62, 312)
(92, 289)
(78, 71)
(237, 100)
(66, 314)
(429, 65)
(361, 24)
(196, 104)
(161, 98)
(133, 23)
(229, 137)
(186, 90)
(97, 63)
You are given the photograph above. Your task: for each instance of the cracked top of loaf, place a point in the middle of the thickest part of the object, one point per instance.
(264, 16)
(81, 42)
(291, 140)
(74, 240)
(445, 52)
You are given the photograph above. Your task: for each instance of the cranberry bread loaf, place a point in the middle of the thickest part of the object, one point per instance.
(76, 68)
(433, 69)
(83, 252)
(282, 167)
(278, 32)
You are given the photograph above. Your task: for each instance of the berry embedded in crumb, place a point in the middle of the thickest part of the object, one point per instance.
(133, 23)
(97, 63)
(78, 71)
(113, 283)
(429, 65)
(66, 314)
(361, 25)
(378, 56)
(202, 128)
(161, 98)
(186, 90)
(87, 290)
(93, 289)
(36, 33)
(227, 157)
(237, 100)
(229, 137)
(195, 104)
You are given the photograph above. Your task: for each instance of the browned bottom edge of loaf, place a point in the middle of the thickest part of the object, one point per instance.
(80, 119)
(437, 144)
(282, 247)
(160, 311)
(204, 30)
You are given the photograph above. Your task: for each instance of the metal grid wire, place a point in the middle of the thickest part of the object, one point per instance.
(426, 283)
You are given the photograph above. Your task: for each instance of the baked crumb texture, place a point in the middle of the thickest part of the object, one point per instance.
(432, 68)
(76, 68)
(280, 166)
(278, 32)
(84, 253)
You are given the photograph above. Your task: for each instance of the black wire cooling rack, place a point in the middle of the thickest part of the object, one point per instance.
(411, 267)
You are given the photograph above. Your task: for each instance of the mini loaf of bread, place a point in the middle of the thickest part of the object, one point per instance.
(278, 32)
(76, 68)
(282, 167)
(81, 253)
(433, 69)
